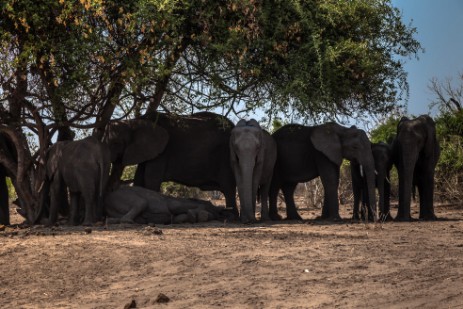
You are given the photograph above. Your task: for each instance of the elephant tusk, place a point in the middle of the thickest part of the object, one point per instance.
(376, 172)
(41, 186)
(388, 181)
(361, 171)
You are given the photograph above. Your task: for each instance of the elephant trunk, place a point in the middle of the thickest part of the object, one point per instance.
(380, 181)
(406, 170)
(369, 178)
(246, 190)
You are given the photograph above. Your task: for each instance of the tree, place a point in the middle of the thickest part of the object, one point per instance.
(449, 125)
(68, 65)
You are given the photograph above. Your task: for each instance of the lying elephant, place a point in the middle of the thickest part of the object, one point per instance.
(140, 205)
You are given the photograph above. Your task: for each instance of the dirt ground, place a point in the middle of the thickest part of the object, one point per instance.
(309, 264)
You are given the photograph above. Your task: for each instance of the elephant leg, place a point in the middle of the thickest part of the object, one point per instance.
(273, 200)
(288, 192)
(229, 191)
(4, 207)
(264, 214)
(138, 206)
(150, 174)
(406, 171)
(356, 190)
(330, 182)
(425, 185)
(75, 205)
(386, 212)
(90, 207)
(56, 192)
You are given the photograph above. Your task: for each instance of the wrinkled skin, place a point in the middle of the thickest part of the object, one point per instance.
(305, 153)
(416, 152)
(131, 142)
(382, 154)
(7, 149)
(252, 157)
(83, 168)
(140, 205)
(196, 155)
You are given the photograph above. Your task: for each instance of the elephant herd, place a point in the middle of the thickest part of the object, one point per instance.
(208, 151)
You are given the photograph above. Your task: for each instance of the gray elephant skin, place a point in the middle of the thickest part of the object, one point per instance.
(305, 153)
(83, 168)
(142, 206)
(132, 142)
(252, 155)
(196, 154)
(416, 152)
(382, 154)
(7, 148)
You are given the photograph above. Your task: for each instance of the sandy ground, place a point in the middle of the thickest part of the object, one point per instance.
(310, 264)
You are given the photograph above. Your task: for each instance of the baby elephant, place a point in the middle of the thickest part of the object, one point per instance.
(140, 205)
(253, 153)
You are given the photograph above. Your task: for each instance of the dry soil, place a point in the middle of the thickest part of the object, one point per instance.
(308, 264)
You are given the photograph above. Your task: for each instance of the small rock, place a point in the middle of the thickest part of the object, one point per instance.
(2, 227)
(132, 304)
(87, 230)
(152, 230)
(162, 299)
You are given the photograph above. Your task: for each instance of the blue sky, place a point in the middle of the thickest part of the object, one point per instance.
(440, 31)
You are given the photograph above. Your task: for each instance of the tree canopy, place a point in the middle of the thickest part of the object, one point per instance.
(78, 64)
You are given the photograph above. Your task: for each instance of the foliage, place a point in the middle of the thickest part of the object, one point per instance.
(385, 131)
(178, 190)
(79, 64)
(449, 125)
(11, 190)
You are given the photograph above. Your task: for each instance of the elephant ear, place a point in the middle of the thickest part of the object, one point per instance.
(431, 142)
(53, 155)
(325, 139)
(148, 141)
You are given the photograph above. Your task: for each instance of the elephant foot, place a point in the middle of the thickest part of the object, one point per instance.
(293, 216)
(87, 223)
(385, 217)
(127, 220)
(113, 220)
(334, 218)
(275, 217)
(428, 217)
(248, 221)
(403, 218)
(265, 218)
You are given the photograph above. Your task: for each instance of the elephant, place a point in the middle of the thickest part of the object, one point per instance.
(82, 167)
(253, 154)
(416, 152)
(304, 153)
(382, 155)
(132, 142)
(197, 154)
(7, 148)
(140, 205)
